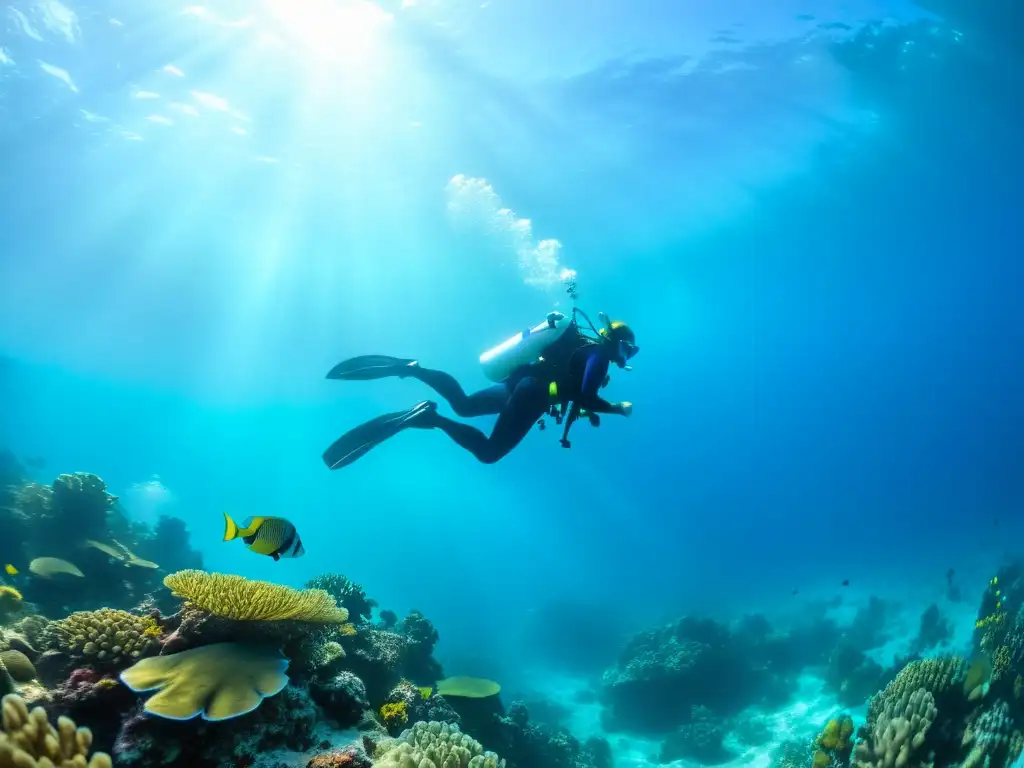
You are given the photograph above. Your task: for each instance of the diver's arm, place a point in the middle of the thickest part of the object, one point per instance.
(593, 377)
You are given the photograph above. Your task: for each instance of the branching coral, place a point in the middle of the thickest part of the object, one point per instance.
(898, 733)
(29, 741)
(937, 676)
(106, 636)
(992, 740)
(346, 593)
(241, 599)
(434, 745)
(394, 714)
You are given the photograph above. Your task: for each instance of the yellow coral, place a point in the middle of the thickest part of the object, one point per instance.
(439, 744)
(348, 630)
(468, 687)
(1002, 661)
(327, 653)
(150, 627)
(835, 736)
(395, 713)
(27, 740)
(829, 737)
(241, 599)
(218, 681)
(106, 635)
(821, 760)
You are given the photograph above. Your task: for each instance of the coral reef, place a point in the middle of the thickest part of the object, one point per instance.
(662, 673)
(219, 681)
(107, 637)
(434, 745)
(525, 744)
(700, 739)
(834, 743)
(899, 731)
(28, 740)
(346, 593)
(342, 698)
(94, 699)
(65, 521)
(381, 658)
(286, 721)
(240, 599)
(192, 668)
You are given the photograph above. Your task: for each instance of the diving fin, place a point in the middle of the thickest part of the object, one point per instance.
(368, 367)
(359, 441)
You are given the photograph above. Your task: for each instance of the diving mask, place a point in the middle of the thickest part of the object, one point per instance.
(627, 351)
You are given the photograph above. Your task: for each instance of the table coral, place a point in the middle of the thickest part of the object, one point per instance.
(219, 681)
(28, 740)
(240, 599)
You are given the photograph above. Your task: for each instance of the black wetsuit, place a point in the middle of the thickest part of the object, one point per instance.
(519, 401)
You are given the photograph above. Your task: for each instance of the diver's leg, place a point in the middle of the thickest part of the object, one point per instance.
(486, 402)
(528, 402)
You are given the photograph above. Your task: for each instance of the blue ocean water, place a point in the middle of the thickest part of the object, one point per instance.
(813, 235)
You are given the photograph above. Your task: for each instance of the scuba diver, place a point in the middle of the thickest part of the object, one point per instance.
(555, 368)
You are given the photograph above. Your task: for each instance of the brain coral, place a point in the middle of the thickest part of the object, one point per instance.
(434, 745)
(29, 741)
(18, 665)
(241, 599)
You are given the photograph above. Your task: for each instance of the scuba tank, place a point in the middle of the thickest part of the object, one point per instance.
(527, 346)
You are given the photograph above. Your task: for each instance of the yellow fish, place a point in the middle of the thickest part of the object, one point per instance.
(272, 536)
(10, 570)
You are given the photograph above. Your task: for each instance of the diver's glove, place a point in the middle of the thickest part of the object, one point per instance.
(626, 408)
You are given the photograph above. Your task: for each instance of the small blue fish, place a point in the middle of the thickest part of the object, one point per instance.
(272, 536)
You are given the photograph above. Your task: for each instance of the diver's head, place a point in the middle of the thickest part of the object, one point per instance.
(621, 340)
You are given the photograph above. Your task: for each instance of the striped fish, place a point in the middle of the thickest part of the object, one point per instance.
(273, 536)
